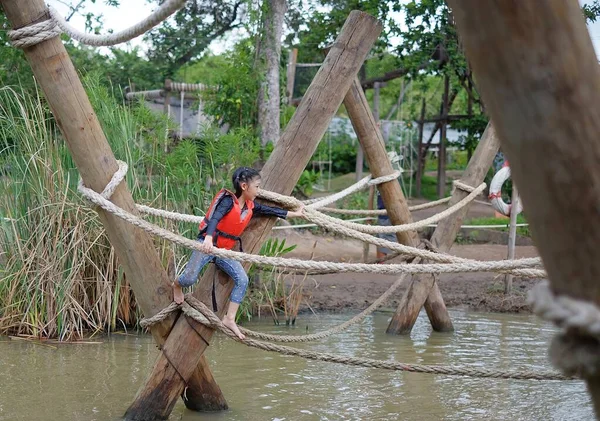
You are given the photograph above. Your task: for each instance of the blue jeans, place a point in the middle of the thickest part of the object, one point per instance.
(231, 267)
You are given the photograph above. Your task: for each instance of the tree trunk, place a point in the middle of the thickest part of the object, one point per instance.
(269, 97)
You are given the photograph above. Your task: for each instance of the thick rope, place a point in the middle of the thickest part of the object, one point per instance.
(196, 310)
(34, 34)
(576, 350)
(375, 212)
(38, 32)
(464, 265)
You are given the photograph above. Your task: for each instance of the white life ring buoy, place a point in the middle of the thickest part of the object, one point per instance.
(496, 193)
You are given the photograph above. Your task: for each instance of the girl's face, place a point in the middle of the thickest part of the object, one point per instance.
(250, 189)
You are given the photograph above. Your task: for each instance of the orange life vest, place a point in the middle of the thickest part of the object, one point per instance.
(231, 226)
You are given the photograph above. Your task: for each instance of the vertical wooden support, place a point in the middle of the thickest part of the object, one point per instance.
(441, 187)
(544, 103)
(512, 237)
(96, 163)
(420, 161)
(395, 203)
(424, 290)
(181, 352)
(291, 74)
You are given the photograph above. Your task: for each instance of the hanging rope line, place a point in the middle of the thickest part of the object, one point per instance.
(522, 267)
(38, 32)
(199, 312)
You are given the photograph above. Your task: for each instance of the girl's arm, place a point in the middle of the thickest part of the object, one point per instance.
(264, 210)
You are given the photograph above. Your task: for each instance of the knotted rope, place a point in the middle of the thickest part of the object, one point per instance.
(38, 32)
(576, 350)
(456, 265)
(199, 312)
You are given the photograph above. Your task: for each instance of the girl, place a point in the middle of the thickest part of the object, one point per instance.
(226, 219)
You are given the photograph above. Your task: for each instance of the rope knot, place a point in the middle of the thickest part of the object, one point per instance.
(112, 185)
(465, 187)
(576, 350)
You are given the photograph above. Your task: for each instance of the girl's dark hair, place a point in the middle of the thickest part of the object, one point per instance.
(243, 175)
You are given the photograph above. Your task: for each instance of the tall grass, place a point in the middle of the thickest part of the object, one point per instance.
(59, 275)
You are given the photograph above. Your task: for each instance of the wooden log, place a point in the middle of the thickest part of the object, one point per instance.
(544, 103)
(512, 238)
(395, 203)
(280, 173)
(422, 290)
(441, 187)
(96, 163)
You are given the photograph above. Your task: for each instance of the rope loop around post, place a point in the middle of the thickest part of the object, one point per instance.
(385, 178)
(576, 350)
(114, 182)
(34, 34)
(462, 186)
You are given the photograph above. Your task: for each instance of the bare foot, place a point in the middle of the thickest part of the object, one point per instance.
(231, 325)
(178, 296)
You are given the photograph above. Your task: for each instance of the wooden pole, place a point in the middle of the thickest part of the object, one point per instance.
(424, 290)
(96, 163)
(512, 237)
(544, 102)
(441, 187)
(281, 172)
(291, 74)
(420, 158)
(395, 203)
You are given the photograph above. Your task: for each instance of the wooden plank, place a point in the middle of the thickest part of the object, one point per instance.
(280, 173)
(423, 290)
(540, 87)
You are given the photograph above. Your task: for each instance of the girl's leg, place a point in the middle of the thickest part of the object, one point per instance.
(234, 269)
(190, 275)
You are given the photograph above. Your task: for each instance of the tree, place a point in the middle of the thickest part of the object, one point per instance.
(189, 33)
(269, 94)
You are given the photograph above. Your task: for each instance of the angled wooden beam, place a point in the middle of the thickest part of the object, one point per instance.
(423, 291)
(371, 140)
(541, 88)
(96, 163)
(176, 363)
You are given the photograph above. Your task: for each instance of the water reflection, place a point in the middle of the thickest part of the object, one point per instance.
(97, 382)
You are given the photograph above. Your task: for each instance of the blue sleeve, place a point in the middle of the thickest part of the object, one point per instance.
(222, 208)
(265, 210)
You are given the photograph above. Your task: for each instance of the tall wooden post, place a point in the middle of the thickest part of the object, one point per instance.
(182, 353)
(420, 159)
(512, 237)
(96, 163)
(291, 74)
(424, 290)
(395, 203)
(544, 103)
(441, 187)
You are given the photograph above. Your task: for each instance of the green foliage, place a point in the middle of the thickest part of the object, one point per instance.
(591, 11)
(307, 180)
(233, 100)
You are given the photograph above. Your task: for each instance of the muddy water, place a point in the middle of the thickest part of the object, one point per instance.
(98, 381)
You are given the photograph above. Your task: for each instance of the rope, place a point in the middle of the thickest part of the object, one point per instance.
(576, 350)
(196, 310)
(34, 34)
(383, 211)
(38, 32)
(458, 265)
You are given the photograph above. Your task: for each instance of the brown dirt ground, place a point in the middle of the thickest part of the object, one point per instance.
(351, 291)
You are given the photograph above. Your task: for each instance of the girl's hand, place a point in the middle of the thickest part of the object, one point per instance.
(297, 213)
(207, 245)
